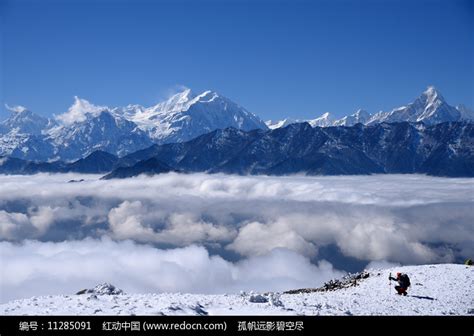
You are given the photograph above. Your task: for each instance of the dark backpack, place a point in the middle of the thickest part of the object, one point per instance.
(405, 280)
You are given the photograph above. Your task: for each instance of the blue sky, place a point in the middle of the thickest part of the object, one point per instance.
(276, 58)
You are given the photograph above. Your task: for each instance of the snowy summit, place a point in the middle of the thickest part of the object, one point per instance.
(186, 115)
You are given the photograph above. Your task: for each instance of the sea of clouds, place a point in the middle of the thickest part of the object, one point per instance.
(43, 268)
(217, 233)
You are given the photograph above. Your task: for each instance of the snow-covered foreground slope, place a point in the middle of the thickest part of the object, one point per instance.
(445, 289)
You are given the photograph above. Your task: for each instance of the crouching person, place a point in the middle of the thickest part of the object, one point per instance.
(403, 283)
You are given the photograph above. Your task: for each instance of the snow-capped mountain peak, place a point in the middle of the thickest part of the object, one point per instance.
(86, 128)
(361, 113)
(360, 116)
(177, 102)
(323, 121)
(23, 121)
(183, 96)
(183, 100)
(433, 108)
(430, 99)
(186, 115)
(429, 108)
(431, 94)
(79, 111)
(274, 124)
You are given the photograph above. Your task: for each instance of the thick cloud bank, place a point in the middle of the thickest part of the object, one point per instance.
(404, 219)
(34, 268)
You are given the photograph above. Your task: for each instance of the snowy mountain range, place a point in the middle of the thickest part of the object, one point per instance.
(445, 149)
(86, 128)
(430, 108)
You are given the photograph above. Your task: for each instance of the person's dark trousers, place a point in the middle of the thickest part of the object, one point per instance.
(401, 290)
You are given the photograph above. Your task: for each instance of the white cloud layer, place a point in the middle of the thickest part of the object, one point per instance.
(35, 268)
(404, 219)
(16, 108)
(78, 112)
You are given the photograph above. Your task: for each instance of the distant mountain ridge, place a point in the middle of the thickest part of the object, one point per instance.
(98, 162)
(429, 108)
(445, 149)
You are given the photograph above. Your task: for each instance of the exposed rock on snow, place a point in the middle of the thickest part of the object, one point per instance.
(258, 298)
(347, 281)
(102, 289)
(200, 310)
